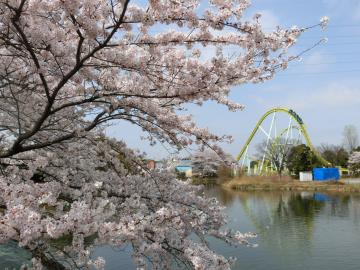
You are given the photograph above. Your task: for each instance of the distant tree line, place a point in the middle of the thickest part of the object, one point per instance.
(295, 158)
(285, 157)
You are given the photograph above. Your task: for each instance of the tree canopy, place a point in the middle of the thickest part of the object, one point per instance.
(71, 67)
(301, 159)
(335, 154)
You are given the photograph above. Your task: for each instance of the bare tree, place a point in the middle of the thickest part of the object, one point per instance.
(350, 138)
(275, 153)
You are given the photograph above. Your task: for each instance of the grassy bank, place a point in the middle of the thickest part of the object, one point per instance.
(286, 184)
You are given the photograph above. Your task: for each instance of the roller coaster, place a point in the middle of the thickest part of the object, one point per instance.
(285, 136)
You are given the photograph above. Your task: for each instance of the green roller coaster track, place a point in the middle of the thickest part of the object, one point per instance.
(302, 128)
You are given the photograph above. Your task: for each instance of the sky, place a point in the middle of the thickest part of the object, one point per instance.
(323, 88)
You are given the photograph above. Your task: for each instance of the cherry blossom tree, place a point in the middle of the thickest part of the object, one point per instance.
(71, 67)
(354, 163)
(206, 163)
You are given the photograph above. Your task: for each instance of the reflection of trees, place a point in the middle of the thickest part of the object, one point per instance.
(340, 206)
(225, 196)
(284, 221)
(297, 206)
(295, 218)
(355, 206)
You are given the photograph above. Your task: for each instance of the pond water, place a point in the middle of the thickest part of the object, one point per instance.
(295, 231)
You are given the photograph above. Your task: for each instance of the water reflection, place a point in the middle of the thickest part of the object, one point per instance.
(284, 219)
(12, 256)
(296, 228)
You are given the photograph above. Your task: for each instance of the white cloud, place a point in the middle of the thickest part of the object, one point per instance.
(335, 95)
(348, 8)
(316, 62)
(268, 20)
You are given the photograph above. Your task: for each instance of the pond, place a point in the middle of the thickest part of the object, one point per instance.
(295, 231)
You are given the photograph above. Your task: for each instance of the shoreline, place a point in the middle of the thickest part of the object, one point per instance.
(263, 184)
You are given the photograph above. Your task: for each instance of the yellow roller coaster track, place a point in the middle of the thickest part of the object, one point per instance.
(302, 127)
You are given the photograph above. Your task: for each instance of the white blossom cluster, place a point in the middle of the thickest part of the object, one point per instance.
(354, 163)
(69, 211)
(354, 157)
(71, 67)
(206, 163)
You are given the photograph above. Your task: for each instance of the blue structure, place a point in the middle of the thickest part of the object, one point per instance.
(183, 168)
(326, 174)
(321, 197)
(325, 198)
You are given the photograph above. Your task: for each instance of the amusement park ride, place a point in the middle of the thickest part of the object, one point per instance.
(291, 134)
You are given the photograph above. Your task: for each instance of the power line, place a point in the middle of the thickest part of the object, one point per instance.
(319, 73)
(328, 26)
(331, 36)
(340, 53)
(234, 50)
(328, 63)
(329, 43)
(343, 25)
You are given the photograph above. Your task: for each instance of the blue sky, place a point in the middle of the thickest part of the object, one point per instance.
(323, 88)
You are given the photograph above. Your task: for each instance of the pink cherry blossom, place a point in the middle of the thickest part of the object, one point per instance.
(71, 67)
